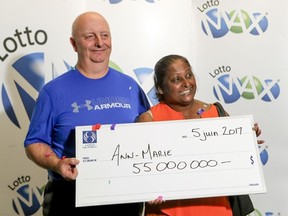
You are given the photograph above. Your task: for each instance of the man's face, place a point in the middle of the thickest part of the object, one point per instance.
(92, 40)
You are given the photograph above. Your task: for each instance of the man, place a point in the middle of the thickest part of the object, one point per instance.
(91, 93)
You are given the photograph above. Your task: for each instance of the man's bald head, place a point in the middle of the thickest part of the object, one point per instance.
(86, 18)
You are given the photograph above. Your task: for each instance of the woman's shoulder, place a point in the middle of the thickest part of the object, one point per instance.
(145, 117)
(212, 109)
(203, 105)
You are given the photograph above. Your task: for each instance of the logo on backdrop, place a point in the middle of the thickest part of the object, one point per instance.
(118, 1)
(229, 88)
(217, 23)
(29, 67)
(28, 198)
(22, 39)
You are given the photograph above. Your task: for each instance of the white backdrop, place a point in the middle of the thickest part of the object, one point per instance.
(34, 48)
(259, 57)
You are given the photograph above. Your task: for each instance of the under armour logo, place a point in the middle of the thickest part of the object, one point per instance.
(77, 107)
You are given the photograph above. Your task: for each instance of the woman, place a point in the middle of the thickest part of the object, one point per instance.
(175, 89)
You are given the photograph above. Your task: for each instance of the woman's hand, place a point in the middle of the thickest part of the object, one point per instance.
(157, 201)
(258, 132)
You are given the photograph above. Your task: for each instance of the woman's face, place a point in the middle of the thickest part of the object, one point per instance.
(179, 86)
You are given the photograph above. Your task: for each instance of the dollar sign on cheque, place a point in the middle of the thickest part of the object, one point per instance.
(251, 158)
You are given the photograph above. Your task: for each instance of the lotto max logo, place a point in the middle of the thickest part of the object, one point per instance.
(118, 1)
(218, 23)
(28, 67)
(229, 89)
(27, 200)
(89, 137)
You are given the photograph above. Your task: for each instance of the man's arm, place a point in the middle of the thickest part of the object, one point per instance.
(42, 155)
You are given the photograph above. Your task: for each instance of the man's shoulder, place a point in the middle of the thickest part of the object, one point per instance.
(121, 75)
(65, 77)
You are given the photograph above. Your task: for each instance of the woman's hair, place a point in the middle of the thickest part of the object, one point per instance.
(160, 71)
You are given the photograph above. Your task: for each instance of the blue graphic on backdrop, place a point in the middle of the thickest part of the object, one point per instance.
(218, 23)
(28, 67)
(142, 75)
(27, 200)
(261, 24)
(263, 155)
(215, 24)
(229, 89)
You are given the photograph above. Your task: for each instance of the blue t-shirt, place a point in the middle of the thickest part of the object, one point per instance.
(74, 100)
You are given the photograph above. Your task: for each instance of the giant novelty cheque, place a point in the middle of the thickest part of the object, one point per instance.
(137, 162)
